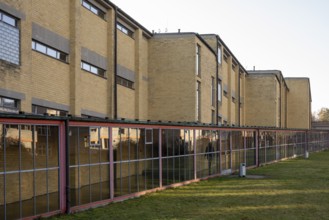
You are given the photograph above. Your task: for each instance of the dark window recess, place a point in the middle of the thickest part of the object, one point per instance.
(124, 82)
(54, 53)
(125, 30)
(92, 69)
(93, 9)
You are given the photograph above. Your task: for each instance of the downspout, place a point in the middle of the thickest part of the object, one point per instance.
(217, 123)
(239, 104)
(115, 64)
(67, 166)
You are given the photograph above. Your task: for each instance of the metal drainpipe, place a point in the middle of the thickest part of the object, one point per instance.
(67, 166)
(239, 104)
(115, 65)
(217, 85)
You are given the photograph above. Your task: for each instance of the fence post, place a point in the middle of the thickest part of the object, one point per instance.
(257, 148)
(160, 157)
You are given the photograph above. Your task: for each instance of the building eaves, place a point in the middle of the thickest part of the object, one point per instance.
(182, 34)
(277, 73)
(128, 17)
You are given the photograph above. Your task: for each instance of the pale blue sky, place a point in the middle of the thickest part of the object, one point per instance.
(287, 35)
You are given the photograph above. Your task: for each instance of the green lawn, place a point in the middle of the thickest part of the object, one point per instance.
(292, 189)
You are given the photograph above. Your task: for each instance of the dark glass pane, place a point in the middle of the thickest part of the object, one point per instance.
(12, 146)
(41, 189)
(95, 182)
(53, 190)
(12, 196)
(84, 145)
(41, 146)
(53, 146)
(105, 175)
(74, 186)
(84, 176)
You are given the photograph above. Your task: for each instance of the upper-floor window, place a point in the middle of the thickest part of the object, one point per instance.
(93, 8)
(125, 30)
(213, 91)
(8, 19)
(226, 55)
(197, 60)
(8, 105)
(219, 55)
(219, 91)
(125, 82)
(41, 110)
(9, 38)
(54, 53)
(198, 102)
(92, 69)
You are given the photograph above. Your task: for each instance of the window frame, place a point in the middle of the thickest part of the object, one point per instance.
(99, 71)
(93, 9)
(125, 30)
(198, 60)
(58, 55)
(46, 109)
(4, 106)
(125, 82)
(219, 91)
(15, 20)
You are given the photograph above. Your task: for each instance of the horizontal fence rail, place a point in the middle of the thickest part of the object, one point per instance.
(52, 165)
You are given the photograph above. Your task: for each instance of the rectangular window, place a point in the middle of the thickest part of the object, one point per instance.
(219, 55)
(198, 102)
(8, 105)
(40, 110)
(124, 82)
(125, 30)
(198, 60)
(92, 69)
(225, 93)
(93, 9)
(8, 19)
(42, 48)
(213, 91)
(226, 55)
(219, 120)
(219, 92)
(9, 39)
(213, 117)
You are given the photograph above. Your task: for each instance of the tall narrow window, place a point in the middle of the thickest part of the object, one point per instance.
(219, 92)
(213, 117)
(219, 55)
(198, 60)
(198, 102)
(9, 39)
(213, 91)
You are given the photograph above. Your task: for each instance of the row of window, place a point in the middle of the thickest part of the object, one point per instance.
(12, 106)
(93, 9)
(92, 69)
(124, 82)
(125, 30)
(42, 48)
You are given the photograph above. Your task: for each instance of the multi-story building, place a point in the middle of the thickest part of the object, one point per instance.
(89, 58)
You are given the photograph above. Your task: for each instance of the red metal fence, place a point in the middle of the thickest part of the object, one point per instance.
(52, 165)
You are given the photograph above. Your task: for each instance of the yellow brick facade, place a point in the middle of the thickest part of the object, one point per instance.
(161, 70)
